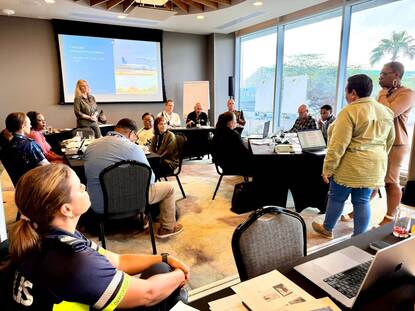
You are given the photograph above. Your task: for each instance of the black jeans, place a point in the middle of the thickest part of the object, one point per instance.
(170, 301)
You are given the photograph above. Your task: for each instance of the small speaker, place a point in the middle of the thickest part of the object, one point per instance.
(231, 92)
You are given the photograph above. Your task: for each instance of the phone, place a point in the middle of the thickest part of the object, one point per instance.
(377, 245)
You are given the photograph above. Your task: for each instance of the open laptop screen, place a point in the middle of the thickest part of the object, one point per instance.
(311, 140)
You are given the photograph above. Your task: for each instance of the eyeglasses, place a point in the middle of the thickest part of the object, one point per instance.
(383, 73)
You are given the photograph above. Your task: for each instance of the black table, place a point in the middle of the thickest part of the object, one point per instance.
(300, 173)
(198, 140)
(78, 164)
(382, 296)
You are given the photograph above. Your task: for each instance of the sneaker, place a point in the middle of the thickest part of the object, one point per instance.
(165, 233)
(347, 217)
(319, 228)
(146, 223)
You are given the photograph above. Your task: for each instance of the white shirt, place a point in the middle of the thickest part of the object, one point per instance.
(172, 120)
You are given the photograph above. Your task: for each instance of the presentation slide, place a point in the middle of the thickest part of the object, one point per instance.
(117, 70)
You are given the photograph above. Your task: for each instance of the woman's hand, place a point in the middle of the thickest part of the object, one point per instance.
(93, 118)
(177, 264)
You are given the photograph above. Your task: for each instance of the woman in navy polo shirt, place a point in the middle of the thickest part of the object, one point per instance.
(57, 268)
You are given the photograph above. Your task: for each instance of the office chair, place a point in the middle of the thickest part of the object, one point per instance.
(125, 186)
(271, 238)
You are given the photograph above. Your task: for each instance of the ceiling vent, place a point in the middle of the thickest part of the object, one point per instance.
(240, 20)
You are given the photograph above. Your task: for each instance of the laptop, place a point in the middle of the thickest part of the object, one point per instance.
(265, 132)
(312, 141)
(346, 273)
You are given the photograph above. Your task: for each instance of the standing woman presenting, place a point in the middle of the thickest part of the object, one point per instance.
(86, 109)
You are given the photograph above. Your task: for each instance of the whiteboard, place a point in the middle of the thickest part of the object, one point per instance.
(195, 92)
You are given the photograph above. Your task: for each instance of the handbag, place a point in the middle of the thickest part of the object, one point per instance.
(243, 198)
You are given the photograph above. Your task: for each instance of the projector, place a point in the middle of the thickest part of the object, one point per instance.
(284, 148)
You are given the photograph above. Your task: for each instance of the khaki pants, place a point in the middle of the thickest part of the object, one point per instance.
(163, 192)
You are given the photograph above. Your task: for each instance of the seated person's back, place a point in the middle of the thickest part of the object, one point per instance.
(22, 153)
(229, 150)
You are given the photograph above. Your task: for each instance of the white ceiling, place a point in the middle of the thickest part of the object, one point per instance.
(225, 20)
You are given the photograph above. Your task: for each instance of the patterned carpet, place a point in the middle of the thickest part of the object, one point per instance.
(205, 243)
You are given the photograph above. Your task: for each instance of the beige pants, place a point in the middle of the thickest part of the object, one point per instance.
(395, 159)
(163, 192)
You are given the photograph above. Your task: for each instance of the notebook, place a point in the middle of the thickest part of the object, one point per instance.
(265, 132)
(312, 141)
(346, 273)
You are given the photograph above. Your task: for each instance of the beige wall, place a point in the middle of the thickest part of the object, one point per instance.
(30, 80)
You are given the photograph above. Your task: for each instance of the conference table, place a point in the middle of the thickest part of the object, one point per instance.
(299, 172)
(197, 140)
(77, 163)
(395, 294)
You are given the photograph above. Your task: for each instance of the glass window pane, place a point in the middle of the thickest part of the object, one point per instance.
(311, 53)
(257, 76)
(374, 42)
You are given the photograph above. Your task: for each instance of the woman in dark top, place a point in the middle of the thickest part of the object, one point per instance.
(86, 109)
(21, 154)
(56, 268)
(229, 150)
(164, 144)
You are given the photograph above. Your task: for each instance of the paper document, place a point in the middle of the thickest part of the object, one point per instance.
(230, 303)
(271, 292)
(323, 304)
(180, 306)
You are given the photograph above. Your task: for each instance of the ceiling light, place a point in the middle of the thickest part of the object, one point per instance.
(50, 1)
(200, 17)
(152, 2)
(122, 16)
(258, 3)
(8, 12)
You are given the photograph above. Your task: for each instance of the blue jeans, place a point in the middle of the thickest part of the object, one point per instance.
(338, 194)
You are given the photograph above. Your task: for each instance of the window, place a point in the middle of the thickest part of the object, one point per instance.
(311, 52)
(257, 76)
(374, 42)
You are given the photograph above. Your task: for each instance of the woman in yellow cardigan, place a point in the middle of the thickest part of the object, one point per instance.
(357, 154)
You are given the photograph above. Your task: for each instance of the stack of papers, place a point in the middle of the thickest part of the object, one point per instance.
(272, 292)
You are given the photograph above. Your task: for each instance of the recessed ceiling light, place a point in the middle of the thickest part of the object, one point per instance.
(8, 12)
(258, 3)
(50, 1)
(200, 17)
(122, 16)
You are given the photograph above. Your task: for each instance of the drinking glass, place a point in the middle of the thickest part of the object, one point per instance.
(402, 222)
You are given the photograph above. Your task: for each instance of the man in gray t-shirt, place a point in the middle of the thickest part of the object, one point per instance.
(118, 146)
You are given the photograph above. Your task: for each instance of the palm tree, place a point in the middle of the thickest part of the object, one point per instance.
(400, 42)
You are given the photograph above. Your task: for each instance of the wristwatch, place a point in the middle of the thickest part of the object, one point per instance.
(164, 257)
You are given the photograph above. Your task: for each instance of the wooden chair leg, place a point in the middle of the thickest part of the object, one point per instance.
(181, 187)
(217, 186)
(153, 240)
(102, 234)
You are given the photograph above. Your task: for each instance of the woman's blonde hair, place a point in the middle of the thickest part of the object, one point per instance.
(78, 92)
(39, 195)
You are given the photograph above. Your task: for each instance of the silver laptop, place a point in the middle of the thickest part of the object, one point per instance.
(344, 274)
(312, 141)
(265, 131)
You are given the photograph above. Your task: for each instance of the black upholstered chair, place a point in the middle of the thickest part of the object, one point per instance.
(222, 173)
(125, 186)
(180, 141)
(271, 238)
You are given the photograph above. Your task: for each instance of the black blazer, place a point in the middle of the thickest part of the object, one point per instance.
(230, 152)
(203, 118)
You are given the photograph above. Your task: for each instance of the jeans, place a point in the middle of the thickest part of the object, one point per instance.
(338, 194)
(171, 300)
